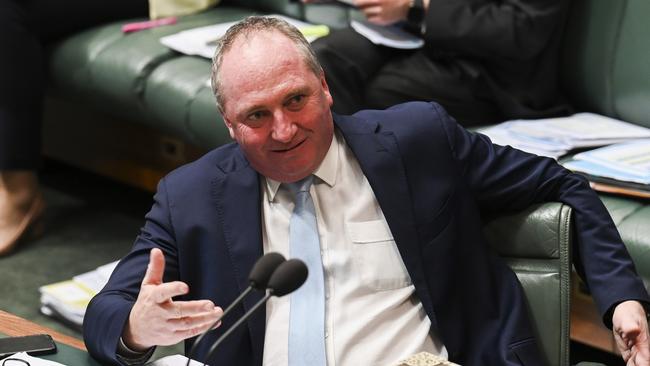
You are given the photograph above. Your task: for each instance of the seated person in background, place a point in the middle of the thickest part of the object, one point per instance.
(25, 27)
(484, 61)
(397, 260)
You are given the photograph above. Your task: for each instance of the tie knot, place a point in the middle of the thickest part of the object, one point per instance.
(302, 185)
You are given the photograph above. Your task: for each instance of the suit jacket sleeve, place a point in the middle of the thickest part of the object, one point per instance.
(487, 29)
(506, 179)
(108, 312)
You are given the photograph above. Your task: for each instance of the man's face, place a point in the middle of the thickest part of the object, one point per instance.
(275, 107)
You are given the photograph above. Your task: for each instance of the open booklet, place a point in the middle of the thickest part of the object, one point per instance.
(67, 300)
(387, 35)
(624, 162)
(555, 137)
(202, 41)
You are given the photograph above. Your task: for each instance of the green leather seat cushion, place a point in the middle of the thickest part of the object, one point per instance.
(135, 77)
(632, 219)
(535, 244)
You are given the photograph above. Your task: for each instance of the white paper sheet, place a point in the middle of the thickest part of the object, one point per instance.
(389, 36)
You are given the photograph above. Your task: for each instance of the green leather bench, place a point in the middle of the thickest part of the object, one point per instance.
(607, 70)
(128, 107)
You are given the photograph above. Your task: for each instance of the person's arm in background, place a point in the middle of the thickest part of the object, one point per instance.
(382, 12)
(515, 29)
(136, 305)
(504, 179)
(385, 12)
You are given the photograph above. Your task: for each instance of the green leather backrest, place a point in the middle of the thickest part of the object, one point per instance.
(536, 245)
(606, 58)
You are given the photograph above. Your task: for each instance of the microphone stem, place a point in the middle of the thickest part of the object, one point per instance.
(225, 312)
(237, 324)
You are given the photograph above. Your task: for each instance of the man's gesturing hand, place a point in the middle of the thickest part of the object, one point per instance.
(157, 320)
(630, 327)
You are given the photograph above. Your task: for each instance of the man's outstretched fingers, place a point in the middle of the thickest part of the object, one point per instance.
(196, 320)
(165, 291)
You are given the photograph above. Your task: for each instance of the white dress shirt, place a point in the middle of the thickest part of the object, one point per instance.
(372, 314)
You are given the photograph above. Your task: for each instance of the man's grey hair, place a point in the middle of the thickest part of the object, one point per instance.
(249, 27)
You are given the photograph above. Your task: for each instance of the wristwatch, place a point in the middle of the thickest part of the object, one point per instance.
(415, 17)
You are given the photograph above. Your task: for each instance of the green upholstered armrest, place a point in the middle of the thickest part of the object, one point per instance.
(536, 245)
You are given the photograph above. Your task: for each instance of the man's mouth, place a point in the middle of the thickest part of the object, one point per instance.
(281, 150)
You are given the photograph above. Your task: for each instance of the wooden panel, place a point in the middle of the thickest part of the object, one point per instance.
(127, 152)
(586, 324)
(14, 326)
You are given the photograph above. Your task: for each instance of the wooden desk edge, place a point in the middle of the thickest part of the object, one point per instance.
(13, 326)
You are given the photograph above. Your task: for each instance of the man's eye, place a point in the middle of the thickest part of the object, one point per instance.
(296, 100)
(256, 116)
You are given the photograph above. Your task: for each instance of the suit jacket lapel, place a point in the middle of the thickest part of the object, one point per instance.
(381, 162)
(237, 197)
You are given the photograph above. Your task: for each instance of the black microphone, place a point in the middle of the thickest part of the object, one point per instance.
(288, 277)
(259, 277)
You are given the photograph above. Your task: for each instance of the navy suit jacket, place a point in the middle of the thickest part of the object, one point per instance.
(434, 182)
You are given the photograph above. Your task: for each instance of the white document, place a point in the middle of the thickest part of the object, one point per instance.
(174, 360)
(554, 137)
(583, 129)
(588, 167)
(631, 158)
(33, 361)
(69, 299)
(97, 279)
(389, 36)
(202, 41)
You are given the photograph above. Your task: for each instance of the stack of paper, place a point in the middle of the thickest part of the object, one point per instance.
(387, 35)
(67, 300)
(202, 41)
(625, 162)
(554, 137)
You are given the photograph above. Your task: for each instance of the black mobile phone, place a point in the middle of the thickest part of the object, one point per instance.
(38, 344)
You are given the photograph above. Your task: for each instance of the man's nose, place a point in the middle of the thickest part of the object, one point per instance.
(283, 127)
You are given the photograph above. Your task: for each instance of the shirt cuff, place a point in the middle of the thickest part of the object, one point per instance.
(130, 357)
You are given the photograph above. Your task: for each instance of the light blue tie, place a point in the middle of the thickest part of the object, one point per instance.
(307, 319)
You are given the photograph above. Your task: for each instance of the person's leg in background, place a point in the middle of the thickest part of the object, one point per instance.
(350, 61)
(363, 75)
(21, 94)
(458, 87)
(25, 26)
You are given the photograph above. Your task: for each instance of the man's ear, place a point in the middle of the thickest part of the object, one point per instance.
(229, 125)
(326, 89)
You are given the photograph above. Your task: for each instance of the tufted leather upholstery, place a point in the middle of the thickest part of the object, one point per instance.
(535, 243)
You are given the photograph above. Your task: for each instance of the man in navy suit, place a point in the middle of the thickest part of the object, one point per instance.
(398, 195)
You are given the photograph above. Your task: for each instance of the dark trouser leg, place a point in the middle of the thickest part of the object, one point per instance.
(21, 89)
(416, 77)
(24, 26)
(349, 61)
(57, 19)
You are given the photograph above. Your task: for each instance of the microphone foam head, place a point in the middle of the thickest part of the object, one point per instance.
(263, 269)
(288, 277)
